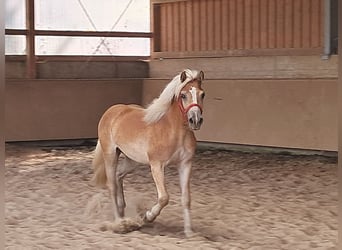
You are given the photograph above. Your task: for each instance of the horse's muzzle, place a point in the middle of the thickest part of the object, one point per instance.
(195, 118)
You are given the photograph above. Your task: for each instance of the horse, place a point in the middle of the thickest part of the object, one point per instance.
(160, 135)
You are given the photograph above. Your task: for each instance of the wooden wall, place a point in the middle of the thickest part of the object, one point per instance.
(211, 27)
(62, 109)
(286, 113)
(249, 67)
(281, 113)
(78, 69)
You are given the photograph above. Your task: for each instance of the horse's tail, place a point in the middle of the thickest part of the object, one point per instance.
(100, 177)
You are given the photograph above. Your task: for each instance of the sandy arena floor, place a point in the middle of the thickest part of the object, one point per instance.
(239, 201)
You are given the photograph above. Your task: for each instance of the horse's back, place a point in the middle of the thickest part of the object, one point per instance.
(118, 111)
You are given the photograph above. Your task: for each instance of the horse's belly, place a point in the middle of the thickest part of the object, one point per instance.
(128, 133)
(135, 151)
(179, 155)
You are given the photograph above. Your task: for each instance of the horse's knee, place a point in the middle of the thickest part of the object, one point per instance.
(163, 200)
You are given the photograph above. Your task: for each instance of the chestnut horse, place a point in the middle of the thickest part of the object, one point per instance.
(160, 135)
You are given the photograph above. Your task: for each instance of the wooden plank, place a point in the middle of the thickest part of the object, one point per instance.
(233, 23)
(218, 25)
(242, 52)
(240, 24)
(315, 23)
(156, 25)
(16, 32)
(248, 24)
(91, 58)
(211, 24)
(272, 25)
(189, 26)
(263, 24)
(197, 25)
(31, 67)
(297, 24)
(170, 44)
(92, 33)
(166, 1)
(288, 29)
(306, 20)
(15, 58)
(203, 24)
(224, 24)
(322, 25)
(280, 24)
(255, 19)
(176, 26)
(163, 27)
(183, 28)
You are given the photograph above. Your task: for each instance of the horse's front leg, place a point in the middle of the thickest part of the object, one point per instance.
(157, 170)
(184, 177)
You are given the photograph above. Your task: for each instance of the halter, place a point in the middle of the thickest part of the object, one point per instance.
(186, 110)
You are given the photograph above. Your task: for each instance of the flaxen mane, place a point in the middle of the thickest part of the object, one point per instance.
(160, 105)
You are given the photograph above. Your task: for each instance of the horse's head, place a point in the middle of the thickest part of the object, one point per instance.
(190, 100)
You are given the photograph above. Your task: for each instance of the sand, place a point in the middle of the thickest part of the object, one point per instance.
(239, 201)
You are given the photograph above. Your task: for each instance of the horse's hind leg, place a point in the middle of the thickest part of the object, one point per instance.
(157, 170)
(124, 168)
(111, 157)
(120, 196)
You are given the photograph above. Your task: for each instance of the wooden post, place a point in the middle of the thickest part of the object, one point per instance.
(31, 71)
(327, 26)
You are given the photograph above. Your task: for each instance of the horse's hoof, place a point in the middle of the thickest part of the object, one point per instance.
(148, 217)
(191, 234)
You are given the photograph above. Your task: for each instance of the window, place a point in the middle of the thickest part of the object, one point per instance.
(90, 15)
(129, 17)
(15, 14)
(15, 19)
(15, 45)
(90, 46)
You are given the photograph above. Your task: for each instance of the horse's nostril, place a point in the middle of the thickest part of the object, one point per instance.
(200, 120)
(191, 120)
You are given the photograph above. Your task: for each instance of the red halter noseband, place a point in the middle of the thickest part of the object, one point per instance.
(186, 110)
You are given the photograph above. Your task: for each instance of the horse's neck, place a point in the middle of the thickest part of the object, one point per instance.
(175, 118)
(176, 130)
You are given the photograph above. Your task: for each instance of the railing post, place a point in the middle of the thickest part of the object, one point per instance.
(327, 33)
(31, 71)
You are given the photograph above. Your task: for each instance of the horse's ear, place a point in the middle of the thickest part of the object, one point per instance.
(201, 75)
(183, 76)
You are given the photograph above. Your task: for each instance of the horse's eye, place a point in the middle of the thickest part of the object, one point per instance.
(183, 96)
(202, 95)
